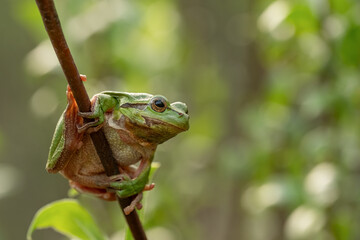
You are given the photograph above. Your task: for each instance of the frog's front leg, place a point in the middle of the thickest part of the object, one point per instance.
(100, 104)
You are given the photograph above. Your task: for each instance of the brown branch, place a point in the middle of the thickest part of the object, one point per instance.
(54, 30)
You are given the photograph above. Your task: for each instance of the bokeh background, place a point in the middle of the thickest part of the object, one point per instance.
(273, 92)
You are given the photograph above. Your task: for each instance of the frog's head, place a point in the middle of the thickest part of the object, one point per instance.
(154, 119)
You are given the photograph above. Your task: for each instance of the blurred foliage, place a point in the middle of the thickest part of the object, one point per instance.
(273, 91)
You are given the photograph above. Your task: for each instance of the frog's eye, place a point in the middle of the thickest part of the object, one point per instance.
(158, 104)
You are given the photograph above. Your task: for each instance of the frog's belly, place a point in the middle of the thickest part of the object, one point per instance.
(125, 153)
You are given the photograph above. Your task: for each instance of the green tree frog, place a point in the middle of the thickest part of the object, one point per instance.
(133, 123)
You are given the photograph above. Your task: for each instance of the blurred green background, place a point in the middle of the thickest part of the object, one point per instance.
(273, 92)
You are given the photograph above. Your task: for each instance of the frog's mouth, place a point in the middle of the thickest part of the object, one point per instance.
(153, 122)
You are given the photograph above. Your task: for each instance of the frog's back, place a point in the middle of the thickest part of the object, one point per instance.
(130, 97)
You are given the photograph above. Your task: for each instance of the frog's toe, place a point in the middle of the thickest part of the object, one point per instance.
(87, 114)
(128, 210)
(134, 203)
(139, 206)
(90, 127)
(149, 187)
(120, 177)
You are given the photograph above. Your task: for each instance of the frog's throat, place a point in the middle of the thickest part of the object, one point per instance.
(149, 122)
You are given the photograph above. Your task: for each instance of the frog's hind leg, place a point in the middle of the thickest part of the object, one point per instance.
(71, 121)
(67, 140)
(98, 192)
(108, 196)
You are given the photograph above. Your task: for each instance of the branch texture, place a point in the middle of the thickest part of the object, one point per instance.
(56, 35)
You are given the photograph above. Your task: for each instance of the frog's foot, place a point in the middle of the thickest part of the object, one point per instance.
(98, 192)
(134, 203)
(90, 115)
(90, 127)
(93, 126)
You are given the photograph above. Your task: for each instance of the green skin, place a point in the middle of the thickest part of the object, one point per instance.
(134, 124)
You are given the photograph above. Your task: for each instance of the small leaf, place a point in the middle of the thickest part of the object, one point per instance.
(68, 217)
(72, 193)
(154, 167)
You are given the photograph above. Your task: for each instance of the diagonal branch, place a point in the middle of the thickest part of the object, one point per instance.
(54, 30)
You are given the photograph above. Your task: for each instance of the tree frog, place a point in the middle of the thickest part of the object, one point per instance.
(133, 123)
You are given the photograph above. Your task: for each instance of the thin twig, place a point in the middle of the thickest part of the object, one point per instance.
(54, 30)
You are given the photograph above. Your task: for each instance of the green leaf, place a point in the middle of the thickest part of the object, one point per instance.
(154, 167)
(68, 217)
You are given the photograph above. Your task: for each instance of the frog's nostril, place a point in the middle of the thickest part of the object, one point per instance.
(184, 108)
(180, 107)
